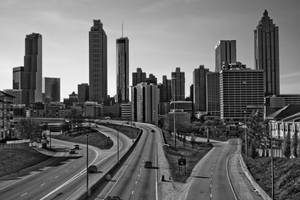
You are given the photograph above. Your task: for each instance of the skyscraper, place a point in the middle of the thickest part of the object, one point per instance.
(178, 85)
(213, 94)
(138, 77)
(97, 63)
(199, 93)
(152, 79)
(165, 90)
(122, 69)
(225, 52)
(52, 89)
(83, 92)
(32, 87)
(266, 52)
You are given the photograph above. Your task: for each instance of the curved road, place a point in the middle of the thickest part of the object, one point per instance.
(67, 180)
(133, 180)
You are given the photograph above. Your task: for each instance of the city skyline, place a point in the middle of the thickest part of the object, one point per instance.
(150, 37)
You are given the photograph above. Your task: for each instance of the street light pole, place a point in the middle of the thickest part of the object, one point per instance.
(246, 136)
(118, 147)
(174, 124)
(272, 160)
(87, 163)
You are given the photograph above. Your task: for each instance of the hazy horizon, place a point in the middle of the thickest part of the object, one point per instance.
(162, 35)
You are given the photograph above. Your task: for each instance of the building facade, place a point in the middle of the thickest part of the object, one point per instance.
(83, 92)
(126, 109)
(6, 116)
(225, 52)
(145, 103)
(122, 69)
(178, 85)
(241, 92)
(138, 77)
(97, 63)
(52, 89)
(152, 79)
(32, 86)
(266, 52)
(17, 95)
(199, 88)
(213, 94)
(18, 77)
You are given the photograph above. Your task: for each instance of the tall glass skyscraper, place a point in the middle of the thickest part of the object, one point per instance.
(32, 87)
(122, 69)
(266, 52)
(97, 63)
(225, 53)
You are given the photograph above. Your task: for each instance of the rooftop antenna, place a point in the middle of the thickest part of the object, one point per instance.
(122, 29)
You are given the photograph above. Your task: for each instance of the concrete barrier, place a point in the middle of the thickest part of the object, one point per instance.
(112, 171)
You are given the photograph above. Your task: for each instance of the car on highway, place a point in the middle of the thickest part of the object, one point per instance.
(152, 130)
(148, 164)
(72, 151)
(76, 147)
(93, 169)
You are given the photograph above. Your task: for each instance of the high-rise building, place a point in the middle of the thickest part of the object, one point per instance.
(138, 77)
(266, 52)
(83, 92)
(145, 102)
(18, 77)
(225, 53)
(241, 92)
(178, 85)
(97, 63)
(52, 89)
(213, 94)
(122, 69)
(6, 113)
(199, 93)
(32, 87)
(16, 93)
(152, 79)
(165, 90)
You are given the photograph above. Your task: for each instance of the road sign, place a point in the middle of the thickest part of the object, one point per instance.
(181, 161)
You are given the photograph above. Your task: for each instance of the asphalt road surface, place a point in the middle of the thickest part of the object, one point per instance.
(133, 180)
(68, 180)
(210, 178)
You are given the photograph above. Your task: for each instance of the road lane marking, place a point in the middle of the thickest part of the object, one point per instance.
(42, 184)
(56, 177)
(229, 180)
(24, 194)
(71, 179)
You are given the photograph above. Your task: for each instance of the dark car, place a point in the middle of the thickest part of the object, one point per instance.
(72, 151)
(148, 164)
(93, 169)
(76, 146)
(152, 130)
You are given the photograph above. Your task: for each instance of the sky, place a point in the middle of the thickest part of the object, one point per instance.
(163, 35)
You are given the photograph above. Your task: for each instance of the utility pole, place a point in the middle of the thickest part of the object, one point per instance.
(87, 162)
(272, 161)
(174, 125)
(118, 156)
(246, 136)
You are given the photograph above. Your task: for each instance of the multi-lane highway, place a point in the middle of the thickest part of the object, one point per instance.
(210, 178)
(133, 180)
(66, 181)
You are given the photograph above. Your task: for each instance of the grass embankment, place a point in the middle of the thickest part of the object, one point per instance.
(126, 130)
(95, 139)
(192, 154)
(286, 172)
(13, 160)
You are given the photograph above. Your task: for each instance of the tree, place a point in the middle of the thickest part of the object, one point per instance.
(295, 144)
(28, 129)
(287, 145)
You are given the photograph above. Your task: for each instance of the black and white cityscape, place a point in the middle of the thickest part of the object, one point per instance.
(149, 100)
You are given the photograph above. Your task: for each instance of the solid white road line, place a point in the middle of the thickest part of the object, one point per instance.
(229, 180)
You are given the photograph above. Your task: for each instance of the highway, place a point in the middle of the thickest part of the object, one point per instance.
(133, 180)
(68, 180)
(210, 178)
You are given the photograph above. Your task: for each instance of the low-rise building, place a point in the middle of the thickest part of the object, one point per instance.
(6, 116)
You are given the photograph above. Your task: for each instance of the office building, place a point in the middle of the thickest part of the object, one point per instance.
(241, 92)
(145, 102)
(266, 52)
(52, 89)
(225, 53)
(178, 85)
(199, 87)
(32, 86)
(138, 77)
(152, 79)
(97, 63)
(181, 106)
(6, 116)
(83, 92)
(213, 94)
(17, 94)
(122, 69)
(126, 109)
(18, 77)
(165, 90)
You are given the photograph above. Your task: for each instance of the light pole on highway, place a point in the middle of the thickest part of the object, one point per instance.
(87, 162)
(246, 136)
(174, 126)
(272, 161)
(118, 156)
